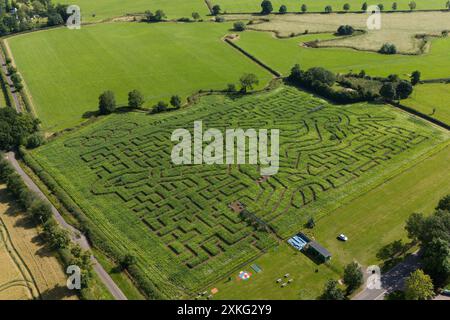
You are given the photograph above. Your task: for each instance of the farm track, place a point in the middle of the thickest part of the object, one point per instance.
(76, 235)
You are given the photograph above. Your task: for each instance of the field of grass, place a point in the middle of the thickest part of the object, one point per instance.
(176, 220)
(39, 273)
(68, 69)
(264, 46)
(396, 28)
(428, 97)
(319, 5)
(371, 221)
(105, 9)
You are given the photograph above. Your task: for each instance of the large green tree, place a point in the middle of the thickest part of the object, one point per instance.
(266, 7)
(418, 286)
(107, 102)
(332, 291)
(248, 81)
(353, 276)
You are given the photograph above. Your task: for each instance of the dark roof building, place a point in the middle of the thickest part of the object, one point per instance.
(320, 251)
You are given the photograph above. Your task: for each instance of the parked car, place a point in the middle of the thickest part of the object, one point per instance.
(342, 237)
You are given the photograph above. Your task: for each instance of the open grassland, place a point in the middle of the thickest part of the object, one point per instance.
(41, 275)
(396, 28)
(267, 48)
(319, 5)
(175, 219)
(371, 221)
(431, 99)
(68, 69)
(97, 10)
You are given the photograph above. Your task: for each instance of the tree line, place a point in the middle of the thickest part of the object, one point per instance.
(267, 7)
(41, 213)
(23, 15)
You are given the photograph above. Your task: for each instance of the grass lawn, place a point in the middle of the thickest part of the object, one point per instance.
(104, 9)
(175, 219)
(319, 5)
(265, 47)
(371, 221)
(427, 97)
(68, 69)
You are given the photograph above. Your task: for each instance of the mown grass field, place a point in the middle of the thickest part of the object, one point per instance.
(68, 69)
(263, 45)
(319, 5)
(175, 219)
(106, 9)
(432, 100)
(371, 221)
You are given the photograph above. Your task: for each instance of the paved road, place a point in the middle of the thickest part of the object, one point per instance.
(11, 85)
(392, 280)
(76, 235)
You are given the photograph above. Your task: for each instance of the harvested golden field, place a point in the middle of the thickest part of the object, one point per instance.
(398, 28)
(29, 269)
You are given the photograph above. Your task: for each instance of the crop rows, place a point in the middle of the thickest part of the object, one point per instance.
(322, 149)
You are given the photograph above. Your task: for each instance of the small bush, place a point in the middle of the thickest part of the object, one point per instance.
(388, 48)
(239, 26)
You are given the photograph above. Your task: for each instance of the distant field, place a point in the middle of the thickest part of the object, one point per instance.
(429, 97)
(396, 28)
(30, 265)
(319, 5)
(176, 219)
(67, 70)
(434, 64)
(104, 9)
(370, 221)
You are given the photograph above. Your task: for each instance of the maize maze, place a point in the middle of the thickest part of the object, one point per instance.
(326, 153)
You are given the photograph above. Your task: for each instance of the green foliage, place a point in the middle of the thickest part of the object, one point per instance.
(412, 5)
(161, 106)
(127, 261)
(239, 26)
(248, 81)
(35, 140)
(216, 9)
(135, 99)
(415, 77)
(304, 8)
(283, 9)
(107, 102)
(175, 101)
(387, 91)
(195, 16)
(394, 6)
(403, 89)
(346, 7)
(444, 203)
(353, 276)
(418, 286)
(364, 6)
(345, 30)
(15, 128)
(266, 7)
(328, 9)
(388, 48)
(433, 233)
(332, 291)
(158, 16)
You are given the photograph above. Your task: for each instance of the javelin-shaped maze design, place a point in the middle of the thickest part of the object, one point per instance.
(322, 148)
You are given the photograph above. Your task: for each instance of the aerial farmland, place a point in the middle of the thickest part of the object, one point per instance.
(225, 150)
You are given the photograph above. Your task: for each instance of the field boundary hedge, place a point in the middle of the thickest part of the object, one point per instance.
(421, 115)
(90, 230)
(253, 58)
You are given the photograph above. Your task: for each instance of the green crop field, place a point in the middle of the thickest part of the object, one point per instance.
(319, 5)
(371, 221)
(431, 99)
(68, 69)
(96, 10)
(176, 219)
(265, 47)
